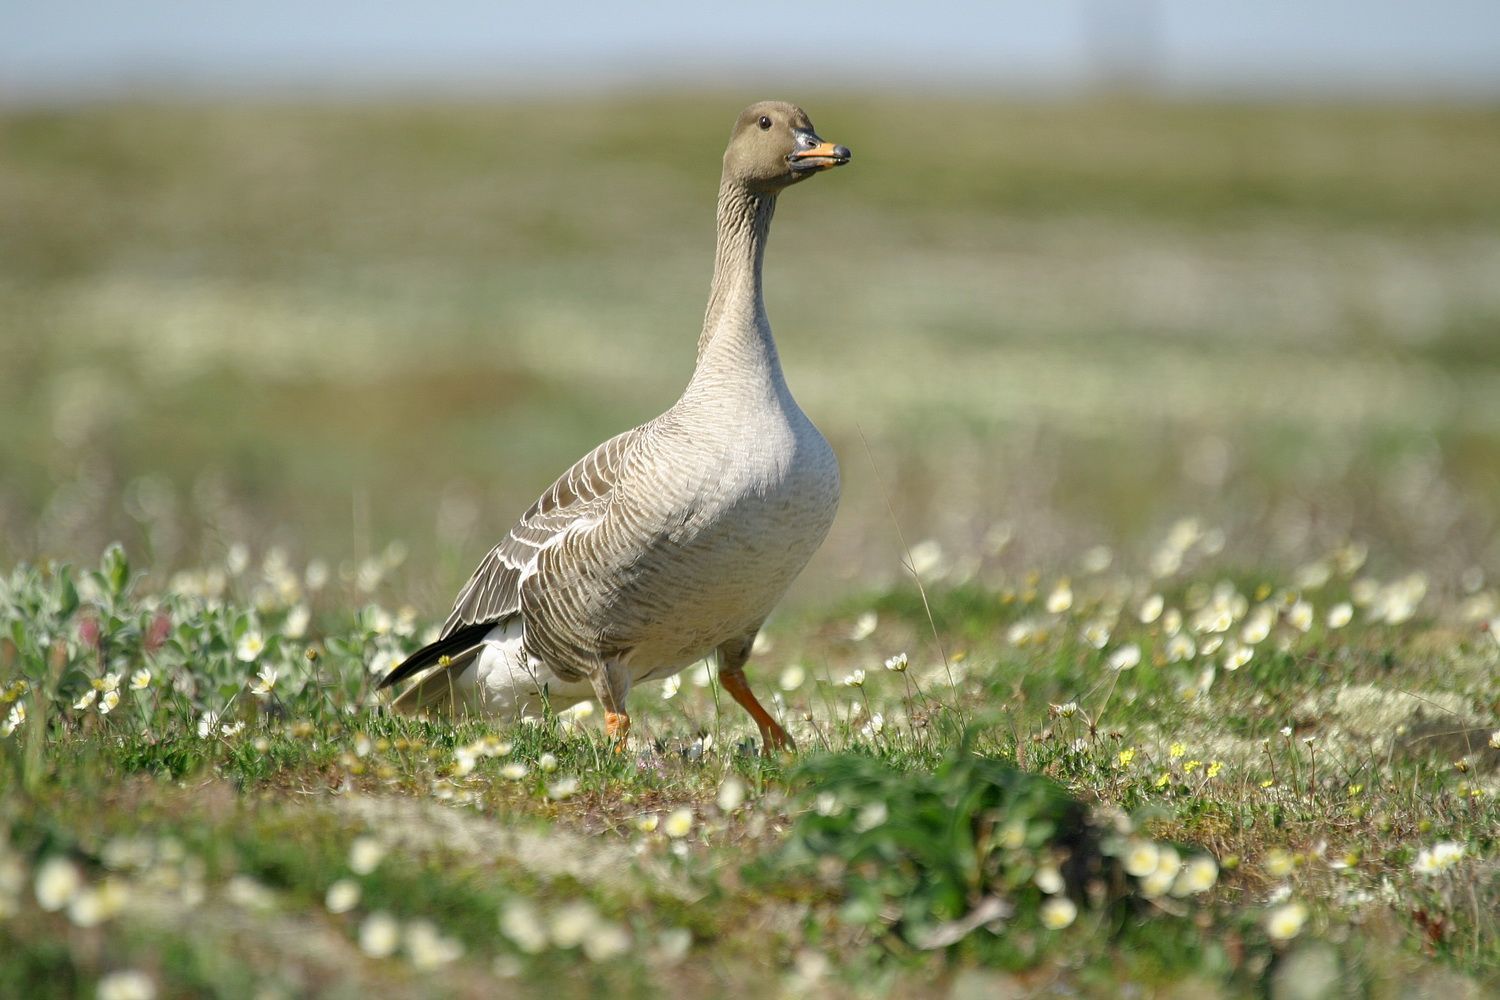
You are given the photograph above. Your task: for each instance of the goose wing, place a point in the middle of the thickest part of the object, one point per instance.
(494, 591)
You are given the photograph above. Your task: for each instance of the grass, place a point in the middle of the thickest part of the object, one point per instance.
(1205, 389)
(929, 831)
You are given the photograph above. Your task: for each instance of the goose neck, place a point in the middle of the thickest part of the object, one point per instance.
(735, 328)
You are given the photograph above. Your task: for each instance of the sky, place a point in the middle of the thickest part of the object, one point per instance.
(51, 49)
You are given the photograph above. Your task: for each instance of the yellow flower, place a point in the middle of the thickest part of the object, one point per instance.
(1163, 778)
(1126, 756)
(1191, 766)
(1214, 767)
(1176, 750)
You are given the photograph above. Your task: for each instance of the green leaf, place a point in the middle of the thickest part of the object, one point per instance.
(116, 568)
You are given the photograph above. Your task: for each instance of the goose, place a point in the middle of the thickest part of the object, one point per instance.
(674, 540)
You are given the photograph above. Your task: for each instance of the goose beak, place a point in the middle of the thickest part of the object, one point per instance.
(817, 155)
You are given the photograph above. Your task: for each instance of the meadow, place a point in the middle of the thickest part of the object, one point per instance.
(1156, 650)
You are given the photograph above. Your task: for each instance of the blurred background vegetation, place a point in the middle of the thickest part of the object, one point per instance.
(1062, 318)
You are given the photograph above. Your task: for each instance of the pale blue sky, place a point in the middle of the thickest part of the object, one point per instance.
(1349, 47)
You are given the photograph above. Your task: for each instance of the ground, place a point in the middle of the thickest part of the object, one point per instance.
(1154, 650)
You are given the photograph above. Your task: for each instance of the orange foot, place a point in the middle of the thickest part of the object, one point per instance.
(617, 727)
(772, 736)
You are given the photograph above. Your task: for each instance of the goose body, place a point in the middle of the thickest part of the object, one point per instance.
(676, 539)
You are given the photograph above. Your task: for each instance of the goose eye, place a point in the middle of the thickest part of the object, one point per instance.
(765, 123)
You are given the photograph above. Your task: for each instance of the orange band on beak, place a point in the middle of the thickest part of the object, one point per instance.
(826, 150)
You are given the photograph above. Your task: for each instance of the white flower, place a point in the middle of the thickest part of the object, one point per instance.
(871, 816)
(606, 941)
(1151, 609)
(1258, 626)
(1495, 740)
(57, 882)
(731, 794)
(547, 763)
(571, 923)
(15, 719)
(109, 701)
(1198, 875)
(515, 771)
(854, 679)
(127, 984)
(874, 727)
(1096, 634)
(793, 677)
(927, 558)
(365, 855)
(1181, 647)
(265, 681)
(897, 663)
(250, 646)
(1066, 710)
(864, 626)
(383, 662)
(1058, 912)
(109, 682)
(563, 788)
(1285, 922)
(379, 935)
(342, 896)
(1061, 598)
(140, 680)
(295, 626)
(671, 686)
(679, 823)
(1237, 656)
(1160, 881)
(1020, 633)
(1438, 858)
(428, 948)
(87, 700)
(91, 907)
(1141, 858)
(519, 922)
(237, 558)
(246, 892)
(1300, 615)
(1125, 657)
(232, 728)
(1340, 615)
(1049, 880)
(207, 723)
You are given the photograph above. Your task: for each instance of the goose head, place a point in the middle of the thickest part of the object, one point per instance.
(774, 146)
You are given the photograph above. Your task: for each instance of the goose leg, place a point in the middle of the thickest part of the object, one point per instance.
(732, 657)
(611, 684)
